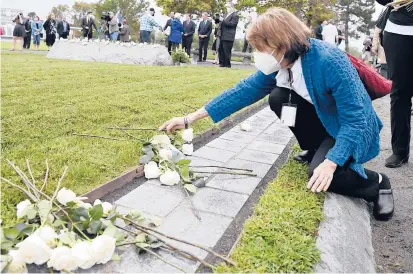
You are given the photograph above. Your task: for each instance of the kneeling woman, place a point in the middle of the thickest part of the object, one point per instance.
(314, 89)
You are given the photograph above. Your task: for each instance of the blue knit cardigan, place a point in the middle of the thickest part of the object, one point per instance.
(340, 99)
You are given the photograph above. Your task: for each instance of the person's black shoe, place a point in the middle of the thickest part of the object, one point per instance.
(221, 66)
(396, 161)
(199, 60)
(384, 205)
(305, 157)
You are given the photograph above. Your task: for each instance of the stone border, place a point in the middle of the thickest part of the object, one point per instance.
(199, 141)
(344, 237)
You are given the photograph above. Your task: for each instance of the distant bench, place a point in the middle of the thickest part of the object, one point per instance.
(247, 57)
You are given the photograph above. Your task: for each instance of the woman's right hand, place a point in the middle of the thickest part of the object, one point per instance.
(173, 124)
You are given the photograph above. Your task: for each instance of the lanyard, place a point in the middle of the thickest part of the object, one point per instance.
(290, 81)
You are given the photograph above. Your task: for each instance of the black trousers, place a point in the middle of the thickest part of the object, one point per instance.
(203, 47)
(399, 56)
(246, 46)
(27, 39)
(88, 34)
(311, 135)
(225, 48)
(187, 44)
(169, 46)
(64, 35)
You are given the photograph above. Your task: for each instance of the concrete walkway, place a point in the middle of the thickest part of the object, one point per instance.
(393, 240)
(218, 203)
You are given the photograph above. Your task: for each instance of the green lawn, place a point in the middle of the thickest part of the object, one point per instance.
(45, 101)
(280, 235)
(9, 45)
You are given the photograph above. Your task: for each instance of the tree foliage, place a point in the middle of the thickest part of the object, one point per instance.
(191, 6)
(355, 16)
(60, 10)
(79, 10)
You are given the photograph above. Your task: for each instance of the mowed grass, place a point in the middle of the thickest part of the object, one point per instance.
(280, 236)
(44, 101)
(9, 45)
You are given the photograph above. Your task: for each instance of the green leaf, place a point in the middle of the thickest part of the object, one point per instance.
(5, 260)
(27, 231)
(11, 233)
(144, 159)
(156, 245)
(190, 188)
(141, 238)
(142, 245)
(94, 226)
(96, 212)
(156, 221)
(68, 239)
(44, 210)
(183, 162)
(6, 245)
(20, 226)
(185, 171)
(110, 231)
(71, 204)
(115, 257)
(31, 214)
(58, 223)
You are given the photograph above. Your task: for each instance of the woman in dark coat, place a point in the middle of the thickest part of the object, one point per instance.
(19, 32)
(50, 28)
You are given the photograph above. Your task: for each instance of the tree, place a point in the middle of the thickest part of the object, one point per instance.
(356, 17)
(131, 10)
(61, 10)
(191, 6)
(79, 10)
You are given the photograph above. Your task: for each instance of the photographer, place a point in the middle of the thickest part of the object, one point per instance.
(87, 25)
(113, 27)
(19, 32)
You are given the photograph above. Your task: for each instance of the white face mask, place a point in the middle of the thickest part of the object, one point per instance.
(266, 62)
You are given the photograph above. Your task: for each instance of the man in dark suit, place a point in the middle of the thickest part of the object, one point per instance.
(187, 37)
(168, 24)
(87, 25)
(28, 36)
(63, 28)
(204, 32)
(228, 29)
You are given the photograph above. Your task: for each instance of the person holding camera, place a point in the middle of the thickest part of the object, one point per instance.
(19, 32)
(147, 25)
(113, 27)
(87, 25)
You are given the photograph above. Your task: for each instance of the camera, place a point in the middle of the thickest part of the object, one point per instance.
(105, 16)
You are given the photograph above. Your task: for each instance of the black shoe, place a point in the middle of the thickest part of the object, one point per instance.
(199, 60)
(221, 66)
(396, 161)
(305, 157)
(384, 205)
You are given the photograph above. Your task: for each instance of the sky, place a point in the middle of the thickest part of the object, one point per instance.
(43, 7)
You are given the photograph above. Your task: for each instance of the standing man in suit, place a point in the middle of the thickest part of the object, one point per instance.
(63, 28)
(28, 36)
(187, 37)
(87, 25)
(204, 32)
(228, 29)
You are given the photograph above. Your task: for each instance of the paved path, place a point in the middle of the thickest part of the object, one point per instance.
(393, 240)
(218, 203)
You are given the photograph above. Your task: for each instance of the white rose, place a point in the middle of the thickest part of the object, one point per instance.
(102, 248)
(84, 256)
(21, 207)
(17, 264)
(188, 135)
(165, 154)
(84, 205)
(245, 127)
(62, 259)
(34, 250)
(151, 170)
(65, 196)
(107, 207)
(162, 140)
(48, 235)
(188, 149)
(170, 178)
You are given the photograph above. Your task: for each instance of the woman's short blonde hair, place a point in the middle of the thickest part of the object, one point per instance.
(278, 29)
(50, 15)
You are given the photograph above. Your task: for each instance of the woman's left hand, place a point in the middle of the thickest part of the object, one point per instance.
(322, 176)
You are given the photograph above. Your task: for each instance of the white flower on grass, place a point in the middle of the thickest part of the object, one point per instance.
(188, 149)
(165, 154)
(102, 248)
(151, 170)
(62, 259)
(34, 250)
(188, 135)
(82, 251)
(65, 196)
(48, 235)
(162, 140)
(245, 126)
(21, 208)
(107, 207)
(17, 264)
(170, 178)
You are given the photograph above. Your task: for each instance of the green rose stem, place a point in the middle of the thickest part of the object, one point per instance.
(97, 136)
(129, 128)
(222, 167)
(45, 176)
(194, 209)
(226, 172)
(162, 259)
(170, 246)
(146, 229)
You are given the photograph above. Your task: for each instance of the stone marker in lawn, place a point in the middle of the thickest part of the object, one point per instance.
(155, 55)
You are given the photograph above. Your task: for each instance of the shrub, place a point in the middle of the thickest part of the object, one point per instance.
(180, 56)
